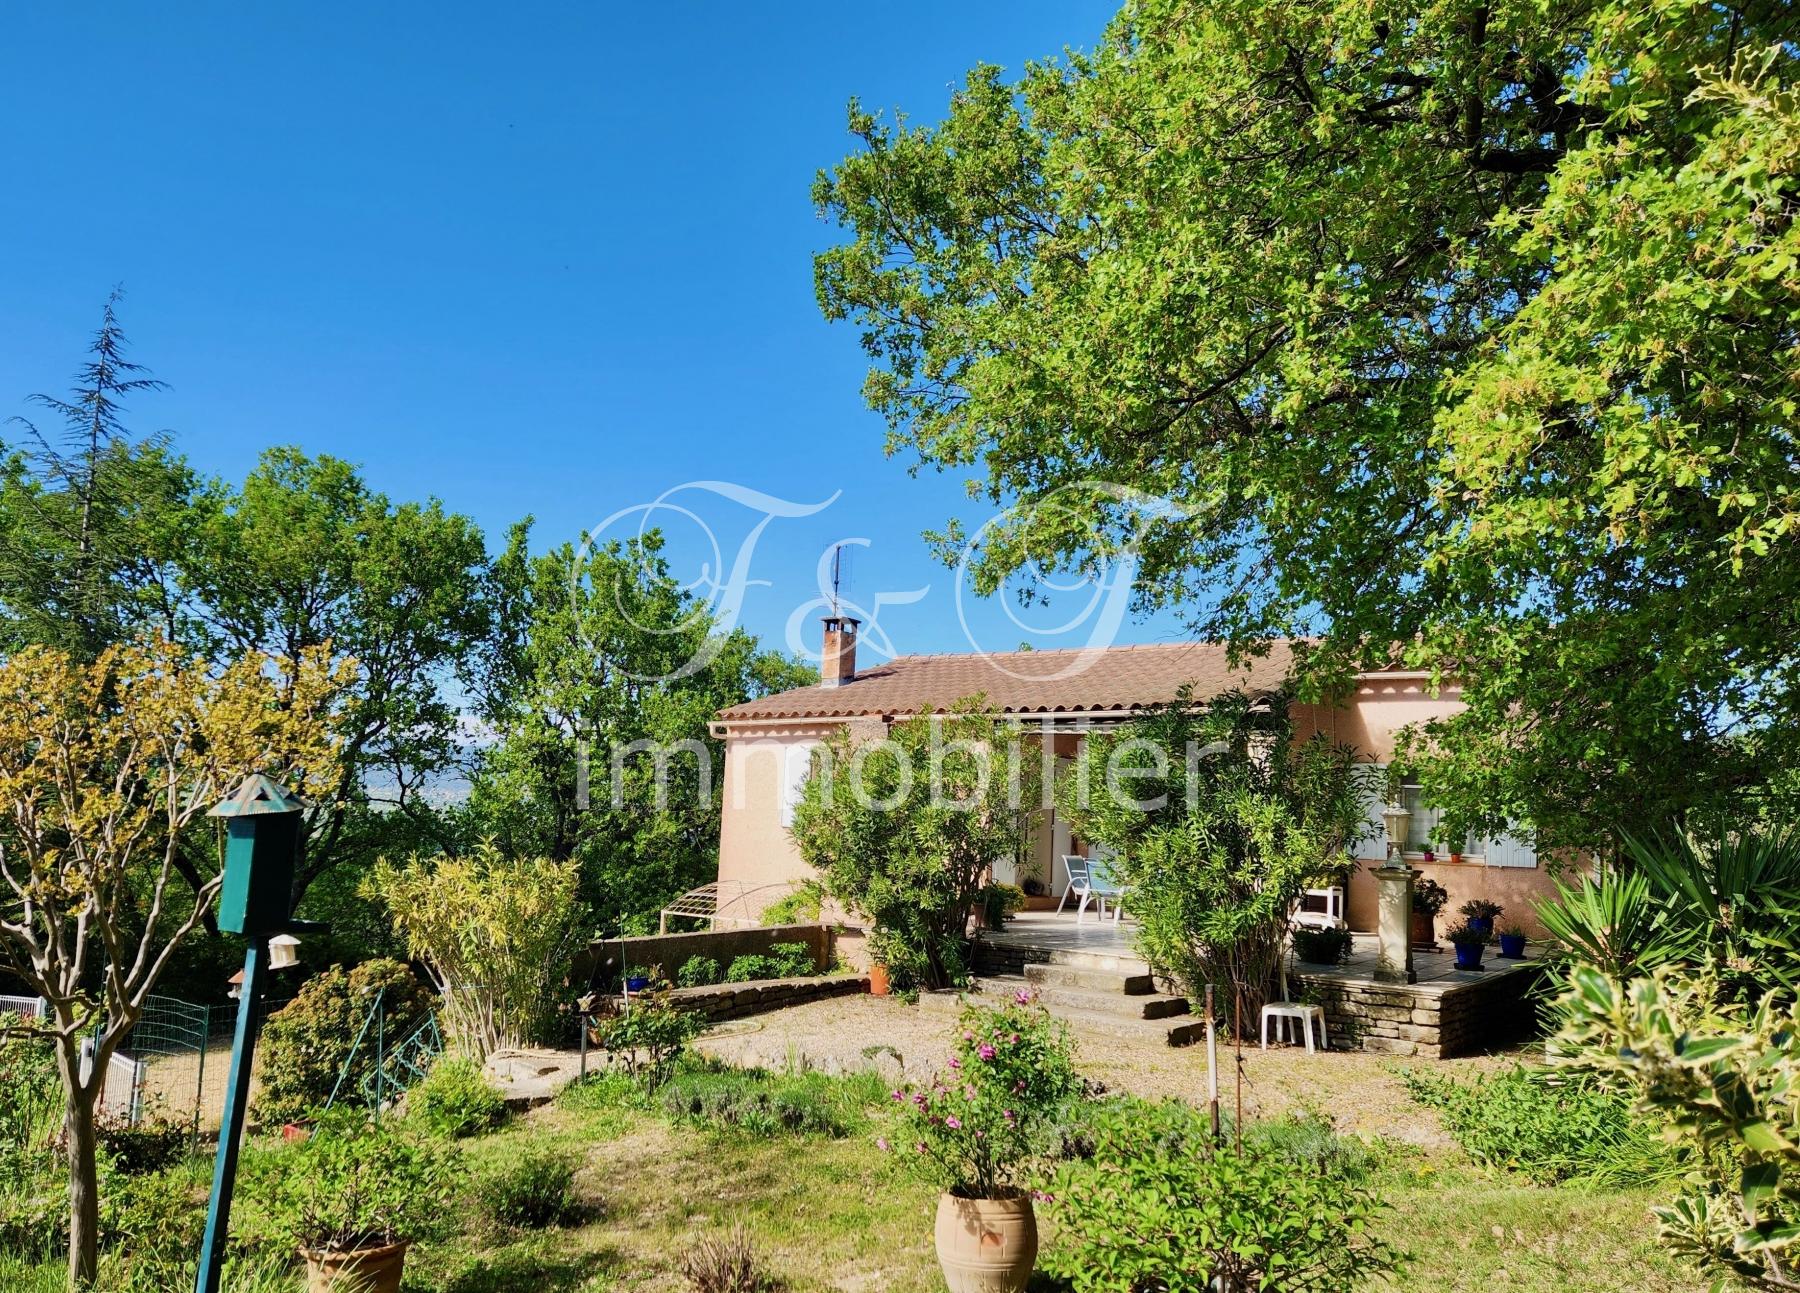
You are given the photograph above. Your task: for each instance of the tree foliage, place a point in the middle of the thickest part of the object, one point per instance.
(904, 829)
(495, 934)
(599, 682)
(104, 769)
(89, 514)
(306, 556)
(1218, 819)
(1465, 326)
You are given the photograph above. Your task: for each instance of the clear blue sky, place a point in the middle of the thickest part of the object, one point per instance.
(539, 258)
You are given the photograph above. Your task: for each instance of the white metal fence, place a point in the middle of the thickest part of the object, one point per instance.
(29, 1007)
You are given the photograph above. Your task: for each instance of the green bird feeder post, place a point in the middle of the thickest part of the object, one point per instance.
(262, 822)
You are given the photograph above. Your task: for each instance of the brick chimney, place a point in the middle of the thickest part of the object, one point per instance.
(839, 664)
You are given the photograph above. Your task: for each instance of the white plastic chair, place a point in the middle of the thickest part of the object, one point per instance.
(1333, 915)
(1090, 881)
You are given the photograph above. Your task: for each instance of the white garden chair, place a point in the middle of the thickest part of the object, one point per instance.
(1090, 880)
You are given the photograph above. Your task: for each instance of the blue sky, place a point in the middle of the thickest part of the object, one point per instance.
(541, 258)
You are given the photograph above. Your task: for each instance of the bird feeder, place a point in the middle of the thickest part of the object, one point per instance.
(262, 823)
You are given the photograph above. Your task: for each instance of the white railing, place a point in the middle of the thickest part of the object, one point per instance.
(29, 1007)
(122, 1094)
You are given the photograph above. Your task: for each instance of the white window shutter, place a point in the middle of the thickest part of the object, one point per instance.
(796, 767)
(1374, 841)
(1508, 850)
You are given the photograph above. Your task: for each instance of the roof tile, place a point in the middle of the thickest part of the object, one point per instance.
(1027, 682)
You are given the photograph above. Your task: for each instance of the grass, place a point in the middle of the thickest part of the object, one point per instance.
(826, 1210)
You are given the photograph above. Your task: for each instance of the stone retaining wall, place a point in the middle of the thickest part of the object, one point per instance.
(1427, 1019)
(600, 963)
(735, 1000)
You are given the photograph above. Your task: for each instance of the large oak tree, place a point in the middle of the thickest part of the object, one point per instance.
(1468, 327)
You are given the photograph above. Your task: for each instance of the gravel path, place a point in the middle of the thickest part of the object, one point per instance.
(1359, 1092)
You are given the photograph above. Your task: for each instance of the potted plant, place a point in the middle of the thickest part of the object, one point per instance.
(1327, 946)
(1481, 914)
(1429, 898)
(1512, 943)
(973, 1130)
(998, 903)
(638, 977)
(355, 1196)
(1468, 942)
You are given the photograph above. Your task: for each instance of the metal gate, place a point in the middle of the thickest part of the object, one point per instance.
(173, 1044)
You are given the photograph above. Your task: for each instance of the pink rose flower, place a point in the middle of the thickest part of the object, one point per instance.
(953, 1123)
(986, 1052)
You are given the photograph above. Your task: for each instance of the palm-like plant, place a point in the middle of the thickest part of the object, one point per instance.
(1731, 901)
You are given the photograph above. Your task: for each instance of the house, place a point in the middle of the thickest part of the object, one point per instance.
(1063, 695)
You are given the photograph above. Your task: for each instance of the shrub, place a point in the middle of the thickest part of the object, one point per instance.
(1722, 1078)
(31, 1107)
(306, 1043)
(1321, 946)
(1160, 1207)
(979, 1122)
(697, 972)
(647, 1039)
(355, 1183)
(455, 1099)
(152, 1145)
(1547, 1126)
(904, 829)
(495, 933)
(783, 961)
(800, 907)
(725, 1264)
(535, 1190)
(158, 1214)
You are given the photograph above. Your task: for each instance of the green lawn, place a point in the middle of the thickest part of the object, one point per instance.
(836, 1213)
(839, 1214)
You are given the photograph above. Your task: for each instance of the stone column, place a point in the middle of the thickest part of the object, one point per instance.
(1393, 884)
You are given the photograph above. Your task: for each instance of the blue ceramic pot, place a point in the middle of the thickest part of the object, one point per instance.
(1512, 946)
(1468, 956)
(637, 984)
(1483, 925)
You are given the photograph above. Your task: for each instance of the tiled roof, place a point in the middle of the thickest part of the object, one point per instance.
(1027, 682)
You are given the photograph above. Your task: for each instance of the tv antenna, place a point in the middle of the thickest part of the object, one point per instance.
(840, 574)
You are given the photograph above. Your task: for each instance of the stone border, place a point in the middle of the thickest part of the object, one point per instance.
(721, 1001)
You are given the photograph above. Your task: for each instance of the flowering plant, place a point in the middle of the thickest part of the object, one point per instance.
(974, 1125)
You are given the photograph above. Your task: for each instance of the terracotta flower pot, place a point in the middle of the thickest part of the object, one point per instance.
(878, 980)
(986, 1245)
(362, 1270)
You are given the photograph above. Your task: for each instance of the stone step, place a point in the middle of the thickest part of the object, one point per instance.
(1080, 978)
(1179, 1030)
(1110, 1020)
(1126, 1006)
(1121, 962)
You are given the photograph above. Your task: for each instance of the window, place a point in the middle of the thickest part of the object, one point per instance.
(796, 767)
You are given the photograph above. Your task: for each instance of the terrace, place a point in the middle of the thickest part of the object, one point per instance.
(1447, 1012)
